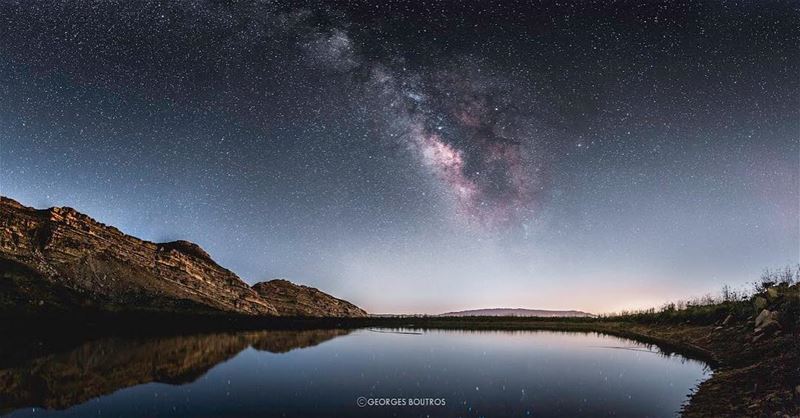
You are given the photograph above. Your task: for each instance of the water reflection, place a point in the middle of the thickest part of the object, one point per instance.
(103, 366)
(278, 373)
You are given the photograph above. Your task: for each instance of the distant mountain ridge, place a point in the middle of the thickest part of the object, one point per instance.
(519, 312)
(59, 260)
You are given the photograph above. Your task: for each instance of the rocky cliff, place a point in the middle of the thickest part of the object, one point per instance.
(58, 259)
(295, 300)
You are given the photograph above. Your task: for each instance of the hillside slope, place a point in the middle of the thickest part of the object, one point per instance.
(60, 260)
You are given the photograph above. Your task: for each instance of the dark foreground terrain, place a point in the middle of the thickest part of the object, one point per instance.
(756, 358)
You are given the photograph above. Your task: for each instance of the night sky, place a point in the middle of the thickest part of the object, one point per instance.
(421, 156)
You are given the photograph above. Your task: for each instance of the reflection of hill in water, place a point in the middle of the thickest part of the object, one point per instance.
(285, 341)
(100, 367)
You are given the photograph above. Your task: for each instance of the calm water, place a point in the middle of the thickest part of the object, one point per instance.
(325, 372)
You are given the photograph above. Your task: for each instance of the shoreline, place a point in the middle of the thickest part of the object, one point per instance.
(748, 379)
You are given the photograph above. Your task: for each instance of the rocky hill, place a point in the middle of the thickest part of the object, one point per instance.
(58, 259)
(295, 300)
(518, 312)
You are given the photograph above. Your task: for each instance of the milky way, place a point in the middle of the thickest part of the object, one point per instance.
(509, 153)
(468, 132)
(472, 131)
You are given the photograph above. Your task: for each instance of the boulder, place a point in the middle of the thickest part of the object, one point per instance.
(772, 293)
(769, 326)
(759, 303)
(764, 316)
(766, 324)
(727, 319)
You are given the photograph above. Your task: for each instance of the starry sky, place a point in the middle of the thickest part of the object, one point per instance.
(421, 156)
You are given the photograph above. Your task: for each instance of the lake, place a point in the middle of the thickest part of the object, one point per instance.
(363, 373)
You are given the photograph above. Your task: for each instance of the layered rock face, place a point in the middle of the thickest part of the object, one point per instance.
(76, 260)
(295, 300)
(60, 259)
